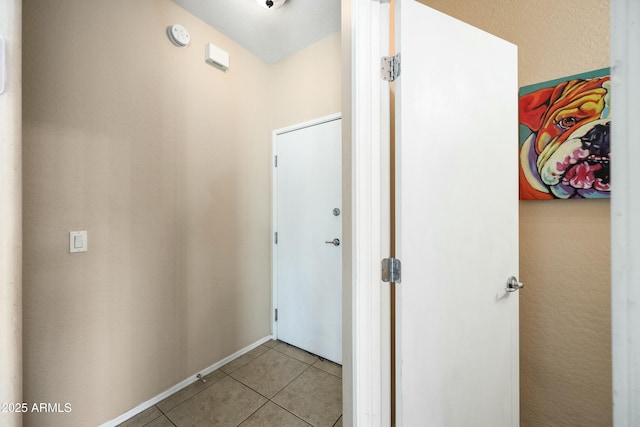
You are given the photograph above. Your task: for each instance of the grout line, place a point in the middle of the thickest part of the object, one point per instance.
(247, 362)
(330, 373)
(171, 421)
(282, 389)
(190, 397)
(297, 348)
(158, 417)
(270, 399)
(285, 386)
(300, 418)
(298, 376)
(251, 388)
(251, 415)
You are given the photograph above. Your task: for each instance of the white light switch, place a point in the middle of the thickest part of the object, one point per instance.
(77, 241)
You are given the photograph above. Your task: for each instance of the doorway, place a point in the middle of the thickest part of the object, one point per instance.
(307, 243)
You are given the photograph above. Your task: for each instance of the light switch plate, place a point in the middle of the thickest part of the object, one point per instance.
(77, 241)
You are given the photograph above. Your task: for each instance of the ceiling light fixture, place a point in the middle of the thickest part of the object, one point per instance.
(270, 4)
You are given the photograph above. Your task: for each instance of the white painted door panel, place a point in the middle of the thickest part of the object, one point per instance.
(309, 270)
(457, 223)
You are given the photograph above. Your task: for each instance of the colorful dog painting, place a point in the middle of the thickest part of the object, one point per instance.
(564, 138)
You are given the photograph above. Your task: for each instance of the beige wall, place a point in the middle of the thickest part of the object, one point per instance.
(565, 359)
(306, 85)
(165, 160)
(10, 214)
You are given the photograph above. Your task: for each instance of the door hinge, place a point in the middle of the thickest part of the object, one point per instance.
(391, 270)
(275, 315)
(275, 161)
(275, 237)
(390, 67)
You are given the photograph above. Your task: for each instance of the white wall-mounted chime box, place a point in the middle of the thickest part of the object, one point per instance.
(216, 56)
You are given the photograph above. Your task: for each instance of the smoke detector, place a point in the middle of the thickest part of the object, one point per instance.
(270, 4)
(178, 35)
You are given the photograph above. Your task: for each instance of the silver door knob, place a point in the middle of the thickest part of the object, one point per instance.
(513, 284)
(334, 242)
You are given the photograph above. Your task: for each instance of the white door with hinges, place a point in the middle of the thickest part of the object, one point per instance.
(308, 223)
(457, 223)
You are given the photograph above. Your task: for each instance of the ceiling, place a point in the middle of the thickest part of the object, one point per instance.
(272, 35)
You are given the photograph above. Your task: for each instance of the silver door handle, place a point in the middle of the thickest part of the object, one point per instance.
(513, 284)
(334, 242)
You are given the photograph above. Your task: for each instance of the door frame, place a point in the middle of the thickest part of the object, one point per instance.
(625, 214)
(274, 198)
(366, 372)
(11, 211)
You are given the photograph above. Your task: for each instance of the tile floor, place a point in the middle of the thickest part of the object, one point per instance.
(274, 384)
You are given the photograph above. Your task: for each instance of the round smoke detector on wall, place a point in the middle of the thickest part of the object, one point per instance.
(270, 4)
(178, 35)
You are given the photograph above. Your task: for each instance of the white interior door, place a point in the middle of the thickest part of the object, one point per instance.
(308, 222)
(457, 223)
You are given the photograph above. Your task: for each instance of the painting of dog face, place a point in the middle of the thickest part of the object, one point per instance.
(564, 138)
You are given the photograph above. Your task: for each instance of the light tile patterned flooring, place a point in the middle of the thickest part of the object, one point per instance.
(273, 385)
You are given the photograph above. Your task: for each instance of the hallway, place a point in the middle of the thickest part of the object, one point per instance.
(273, 385)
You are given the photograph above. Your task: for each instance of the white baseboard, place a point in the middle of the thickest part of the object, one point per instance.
(182, 384)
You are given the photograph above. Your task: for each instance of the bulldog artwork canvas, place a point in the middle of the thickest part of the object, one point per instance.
(564, 138)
